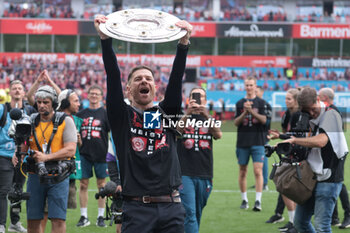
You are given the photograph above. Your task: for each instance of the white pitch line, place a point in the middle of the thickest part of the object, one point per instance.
(216, 191)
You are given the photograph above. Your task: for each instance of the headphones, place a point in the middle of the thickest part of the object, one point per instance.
(53, 94)
(65, 102)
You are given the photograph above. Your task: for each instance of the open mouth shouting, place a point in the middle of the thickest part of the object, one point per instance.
(144, 90)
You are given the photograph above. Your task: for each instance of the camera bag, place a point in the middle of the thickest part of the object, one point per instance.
(295, 180)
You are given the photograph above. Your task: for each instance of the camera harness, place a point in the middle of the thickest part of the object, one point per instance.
(57, 120)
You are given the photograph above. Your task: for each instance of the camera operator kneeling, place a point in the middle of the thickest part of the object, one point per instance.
(53, 140)
(326, 159)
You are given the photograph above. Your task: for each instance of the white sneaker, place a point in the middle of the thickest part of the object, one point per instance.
(16, 227)
(2, 229)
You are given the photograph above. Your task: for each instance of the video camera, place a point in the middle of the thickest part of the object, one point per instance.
(20, 130)
(114, 211)
(21, 126)
(292, 152)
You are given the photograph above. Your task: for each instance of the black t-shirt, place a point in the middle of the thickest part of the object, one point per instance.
(195, 151)
(330, 160)
(289, 121)
(251, 131)
(94, 134)
(148, 159)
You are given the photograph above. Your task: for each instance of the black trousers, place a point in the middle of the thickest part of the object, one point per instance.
(280, 205)
(6, 176)
(153, 218)
(9, 176)
(344, 199)
(18, 181)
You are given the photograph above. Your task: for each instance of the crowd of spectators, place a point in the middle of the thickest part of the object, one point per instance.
(272, 73)
(273, 85)
(79, 74)
(32, 10)
(227, 13)
(324, 18)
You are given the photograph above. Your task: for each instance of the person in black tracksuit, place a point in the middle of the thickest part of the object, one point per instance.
(149, 166)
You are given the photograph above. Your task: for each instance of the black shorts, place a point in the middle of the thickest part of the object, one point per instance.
(153, 217)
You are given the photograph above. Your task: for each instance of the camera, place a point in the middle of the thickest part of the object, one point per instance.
(21, 126)
(114, 211)
(292, 152)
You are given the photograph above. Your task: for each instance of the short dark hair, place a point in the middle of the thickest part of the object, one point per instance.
(95, 86)
(307, 97)
(136, 68)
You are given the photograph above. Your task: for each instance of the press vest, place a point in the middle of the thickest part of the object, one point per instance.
(43, 132)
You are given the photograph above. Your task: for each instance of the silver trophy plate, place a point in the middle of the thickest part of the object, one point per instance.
(142, 26)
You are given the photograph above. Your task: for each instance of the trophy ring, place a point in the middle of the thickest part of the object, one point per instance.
(142, 26)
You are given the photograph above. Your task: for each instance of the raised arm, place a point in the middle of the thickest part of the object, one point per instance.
(43, 77)
(115, 98)
(34, 88)
(173, 94)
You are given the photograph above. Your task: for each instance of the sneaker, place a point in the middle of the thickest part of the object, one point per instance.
(346, 223)
(83, 222)
(275, 219)
(16, 227)
(265, 187)
(286, 227)
(100, 222)
(257, 206)
(291, 230)
(2, 229)
(244, 205)
(335, 222)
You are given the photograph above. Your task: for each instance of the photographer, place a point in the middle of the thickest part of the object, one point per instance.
(10, 177)
(326, 158)
(53, 140)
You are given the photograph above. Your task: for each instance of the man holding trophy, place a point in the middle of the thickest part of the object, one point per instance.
(149, 165)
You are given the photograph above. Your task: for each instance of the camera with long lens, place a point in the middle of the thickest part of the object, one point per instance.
(114, 211)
